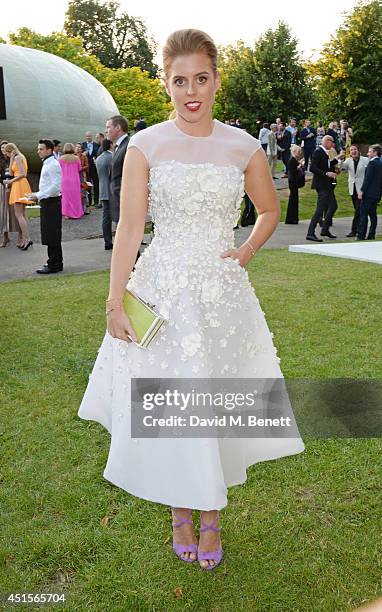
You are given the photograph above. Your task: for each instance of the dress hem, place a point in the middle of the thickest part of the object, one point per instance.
(182, 504)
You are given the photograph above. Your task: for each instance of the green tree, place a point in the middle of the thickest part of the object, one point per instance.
(59, 44)
(238, 96)
(348, 72)
(116, 38)
(263, 83)
(281, 77)
(137, 95)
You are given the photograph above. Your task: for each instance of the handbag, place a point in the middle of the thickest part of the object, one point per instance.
(144, 318)
(300, 177)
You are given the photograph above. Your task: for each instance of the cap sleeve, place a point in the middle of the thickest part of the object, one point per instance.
(141, 141)
(252, 145)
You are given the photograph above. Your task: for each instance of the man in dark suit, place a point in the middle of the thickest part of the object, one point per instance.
(324, 183)
(140, 125)
(91, 149)
(308, 136)
(116, 129)
(370, 194)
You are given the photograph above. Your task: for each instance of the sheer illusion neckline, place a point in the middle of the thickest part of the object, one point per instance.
(195, 137)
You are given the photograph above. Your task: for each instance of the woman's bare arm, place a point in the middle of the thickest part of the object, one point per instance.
(261, 191)
(19, 161)
(130, 230)
(20, 165)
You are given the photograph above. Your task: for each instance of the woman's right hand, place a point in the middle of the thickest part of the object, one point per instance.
(119, 326)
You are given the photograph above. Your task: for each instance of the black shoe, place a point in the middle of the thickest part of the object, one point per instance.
(370, 238)
(358, 238)
(47, 270)
(27, 245)
(350, 235)
(314, 238)
(108, 247)
(328, 234)
(236, 227)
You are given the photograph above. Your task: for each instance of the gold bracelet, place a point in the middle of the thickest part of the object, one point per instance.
(113, 304)
(253, 252)
(115, 307)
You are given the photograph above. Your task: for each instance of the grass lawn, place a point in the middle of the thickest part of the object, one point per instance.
(302, 534)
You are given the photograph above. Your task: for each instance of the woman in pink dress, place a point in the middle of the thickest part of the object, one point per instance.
(71, 186)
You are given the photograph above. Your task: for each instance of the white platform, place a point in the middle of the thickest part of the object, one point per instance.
(362, 251)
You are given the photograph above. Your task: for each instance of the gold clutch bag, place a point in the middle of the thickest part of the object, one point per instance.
(144, 318)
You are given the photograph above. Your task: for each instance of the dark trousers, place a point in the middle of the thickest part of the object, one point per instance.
(265, 146)
(94, 191)
(357, 204)
(308, 157)
(249, 215)
(292, 210)
(285, 156)
(368, 208)
(106, 223)
(51, 230)
(326, 205)
(55, 260)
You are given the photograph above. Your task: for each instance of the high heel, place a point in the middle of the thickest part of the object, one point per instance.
(26, 246)
(214, 555)
(181, 548)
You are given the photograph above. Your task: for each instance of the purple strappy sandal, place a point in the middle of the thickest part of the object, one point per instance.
(214, 555)
(181, 548)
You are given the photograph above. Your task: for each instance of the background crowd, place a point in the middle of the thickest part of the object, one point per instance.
(73, 178)
(86, 176)
(325, 152)
(91, 171)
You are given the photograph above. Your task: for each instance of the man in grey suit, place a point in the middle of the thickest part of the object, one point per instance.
(355, 166)
(116, 128)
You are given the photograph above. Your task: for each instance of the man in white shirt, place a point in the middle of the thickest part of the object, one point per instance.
(49, 197)
(293, 129)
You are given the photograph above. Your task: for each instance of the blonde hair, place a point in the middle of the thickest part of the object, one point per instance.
(12, 148)
(185, 42)
(68, 148)
(297, 151)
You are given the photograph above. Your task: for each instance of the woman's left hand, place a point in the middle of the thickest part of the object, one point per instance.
(243, 254)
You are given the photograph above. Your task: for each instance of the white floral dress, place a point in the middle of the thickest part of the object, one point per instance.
(216, 325)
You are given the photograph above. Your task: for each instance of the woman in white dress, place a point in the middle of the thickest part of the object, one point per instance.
(191, 172)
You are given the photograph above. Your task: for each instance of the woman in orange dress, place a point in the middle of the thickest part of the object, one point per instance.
(19, 187)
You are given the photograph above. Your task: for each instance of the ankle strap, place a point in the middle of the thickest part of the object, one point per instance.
(211, 525)
(181, 520)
